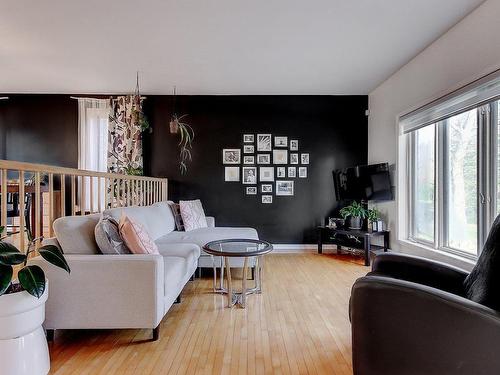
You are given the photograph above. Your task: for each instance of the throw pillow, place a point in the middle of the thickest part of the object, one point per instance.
(136, 237)
(483, 283)
(107, 236)
(192, 214)
(176, 211)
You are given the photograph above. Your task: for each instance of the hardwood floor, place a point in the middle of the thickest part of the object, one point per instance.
(299, 325)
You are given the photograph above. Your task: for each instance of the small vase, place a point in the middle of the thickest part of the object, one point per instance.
(355, 222)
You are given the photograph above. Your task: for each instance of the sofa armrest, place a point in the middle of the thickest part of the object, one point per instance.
(210, 221)
(105, 291)
(420, 270)
(400, 327)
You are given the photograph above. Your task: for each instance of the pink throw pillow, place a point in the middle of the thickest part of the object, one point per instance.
(136, 238)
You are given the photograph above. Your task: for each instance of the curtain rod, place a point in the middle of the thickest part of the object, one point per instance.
(87, 97)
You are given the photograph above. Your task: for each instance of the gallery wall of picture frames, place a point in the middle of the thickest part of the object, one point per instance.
(266, 165)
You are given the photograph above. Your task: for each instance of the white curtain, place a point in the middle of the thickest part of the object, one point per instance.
(93, 120)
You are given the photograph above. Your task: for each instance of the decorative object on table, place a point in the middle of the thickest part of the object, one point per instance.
(23, 347)
(232, 174)
(249, 175)
(281, 172)
(248, 159)
(248, 149)
(373, 215)
(284, 188)
(263, 159)
(294, 145)
(380, 225)
(292, 172)
(280, 156)
(248, 138)
(266, 188)
(264, 142)
(267, 199)
(266, 174)
(332, 223)
(304, 158)
(251, 190)
(231, 156)
(280, 141)
(294, 158)
(302, 172)
(356, 213)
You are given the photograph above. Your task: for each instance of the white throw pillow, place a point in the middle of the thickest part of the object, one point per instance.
(193, 215)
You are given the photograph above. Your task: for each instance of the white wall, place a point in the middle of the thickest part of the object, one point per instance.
(466, 52)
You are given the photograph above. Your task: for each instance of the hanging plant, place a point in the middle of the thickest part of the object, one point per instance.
(186, 132)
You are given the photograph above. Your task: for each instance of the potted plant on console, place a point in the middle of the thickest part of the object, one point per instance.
(23, 347)
(356, 213)
(373, 216)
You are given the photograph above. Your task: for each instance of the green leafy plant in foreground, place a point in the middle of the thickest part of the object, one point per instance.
(355, 209)
(31, 277)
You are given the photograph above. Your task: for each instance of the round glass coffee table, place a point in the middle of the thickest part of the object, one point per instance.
(238, 248)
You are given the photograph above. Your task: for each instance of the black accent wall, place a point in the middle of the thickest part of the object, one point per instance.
(332, 129)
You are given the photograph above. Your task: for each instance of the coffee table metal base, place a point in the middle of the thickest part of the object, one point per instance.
(234, 297)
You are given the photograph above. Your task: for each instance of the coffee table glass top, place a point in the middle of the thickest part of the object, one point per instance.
(238, 247)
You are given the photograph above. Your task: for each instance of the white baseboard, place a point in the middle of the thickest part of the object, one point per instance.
(300, 248)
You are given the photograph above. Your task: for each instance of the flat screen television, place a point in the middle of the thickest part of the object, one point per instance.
(363, 182)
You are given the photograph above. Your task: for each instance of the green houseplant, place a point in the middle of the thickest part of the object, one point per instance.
(373, 215)
(186, 132)
(356, 213)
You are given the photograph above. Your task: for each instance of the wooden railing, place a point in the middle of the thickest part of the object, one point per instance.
(46, 192)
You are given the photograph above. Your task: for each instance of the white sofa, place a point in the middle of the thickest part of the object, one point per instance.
(124, 291)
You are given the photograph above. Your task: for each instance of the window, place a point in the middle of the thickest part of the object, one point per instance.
(452, 169)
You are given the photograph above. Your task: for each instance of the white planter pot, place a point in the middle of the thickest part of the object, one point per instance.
(23, 347)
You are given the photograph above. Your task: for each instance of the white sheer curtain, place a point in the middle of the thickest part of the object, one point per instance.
(93, 118)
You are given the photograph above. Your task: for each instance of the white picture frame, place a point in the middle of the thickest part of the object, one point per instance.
(304, 158)
(284, 188)
(249, 176)
(280, 172)
(280, 141)
(280, 156)
(248, 138)
(266, 174)
(232, 174)
(248, 159)
(263, 158)
(302, 172)
(264, 142)
(248, 149)
(294, 158)
(267, 199)
(231, 156)
(266, 188)
(294, 145)
(292, 172)
(251, 190)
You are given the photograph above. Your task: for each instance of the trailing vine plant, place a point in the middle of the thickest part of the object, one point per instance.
(186, 132)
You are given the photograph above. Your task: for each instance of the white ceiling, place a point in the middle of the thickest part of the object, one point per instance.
(215, 46)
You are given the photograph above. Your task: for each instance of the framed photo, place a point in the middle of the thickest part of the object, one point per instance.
(248, 138)
(302, 172)
(251, 190)
(266, 188)
(263, 158)
(264, 142)
(248, 149)
(249, 175)
(294, 158)
(280, 156)
(266, 174)
(267, 199)
(294, 145)
(304, 158)
(231, 156)
(284, 188)
(292, 172)
(248, 159)
(232, 174)
(280, 141)
(280, 172)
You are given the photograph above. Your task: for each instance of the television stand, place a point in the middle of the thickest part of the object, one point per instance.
(353, 238)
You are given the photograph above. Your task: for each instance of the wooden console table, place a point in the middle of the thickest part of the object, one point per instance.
(357, 239)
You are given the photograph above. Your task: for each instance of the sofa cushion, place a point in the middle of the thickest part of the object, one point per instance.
(157, 219)
(189, 251)
(202, 236)
(175, 271)
(483, 283)
(193, 215)
(107, 236)
(136, 237)
(75, 234)
(176, 211)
